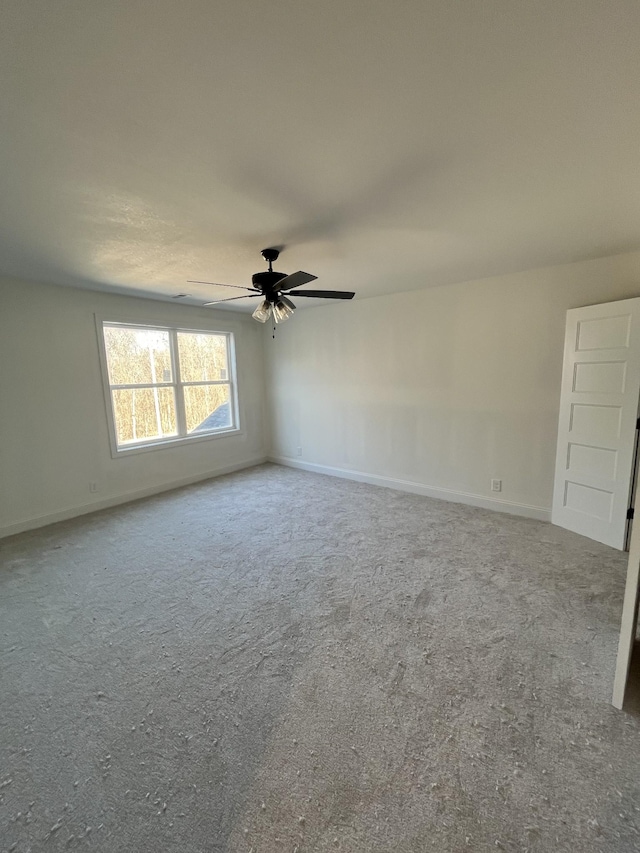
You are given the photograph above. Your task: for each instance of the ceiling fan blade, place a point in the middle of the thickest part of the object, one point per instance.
(231, 299)
(323, 294)
(217, 284)
(296, 279)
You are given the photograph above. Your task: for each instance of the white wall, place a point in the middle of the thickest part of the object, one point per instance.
(437, 390)
(53, 428)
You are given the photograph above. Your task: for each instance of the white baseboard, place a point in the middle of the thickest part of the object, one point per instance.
(538, 512)
(125, 497)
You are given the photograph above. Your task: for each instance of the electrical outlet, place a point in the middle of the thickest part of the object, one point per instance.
(93, 488)
(298, 451)
(496, 485)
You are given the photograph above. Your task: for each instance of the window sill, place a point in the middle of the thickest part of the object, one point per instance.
(178, 441)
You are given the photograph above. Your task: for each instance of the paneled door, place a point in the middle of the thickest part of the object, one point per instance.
(598, 419)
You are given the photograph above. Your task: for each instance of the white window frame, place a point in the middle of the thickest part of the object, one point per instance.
(177, 384)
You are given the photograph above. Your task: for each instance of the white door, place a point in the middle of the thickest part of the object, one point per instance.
(598, 416)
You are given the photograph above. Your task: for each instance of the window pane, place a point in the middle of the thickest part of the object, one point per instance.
(144, 413)
(207, 407)
(203, 358)
(137, 356)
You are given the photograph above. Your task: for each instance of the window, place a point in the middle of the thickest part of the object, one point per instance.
(167, 385)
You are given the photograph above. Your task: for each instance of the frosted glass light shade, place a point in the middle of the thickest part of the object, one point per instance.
(262, 312)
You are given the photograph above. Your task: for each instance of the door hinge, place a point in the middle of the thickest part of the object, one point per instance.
(630, 514)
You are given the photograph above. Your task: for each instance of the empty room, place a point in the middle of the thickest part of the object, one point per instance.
(319, 409)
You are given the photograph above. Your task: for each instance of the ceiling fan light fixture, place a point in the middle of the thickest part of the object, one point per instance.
(262, 312)
(282, 311)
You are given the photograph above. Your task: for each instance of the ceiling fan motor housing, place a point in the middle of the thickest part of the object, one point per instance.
(267, 282)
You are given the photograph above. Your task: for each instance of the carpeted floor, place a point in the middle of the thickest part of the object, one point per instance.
(281, 661)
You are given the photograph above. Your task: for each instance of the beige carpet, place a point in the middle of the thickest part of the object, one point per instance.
(281, 661)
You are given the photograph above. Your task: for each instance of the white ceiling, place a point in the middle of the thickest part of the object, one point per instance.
(391, 144)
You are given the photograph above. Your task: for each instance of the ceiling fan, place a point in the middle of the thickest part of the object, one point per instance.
(275, 288)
